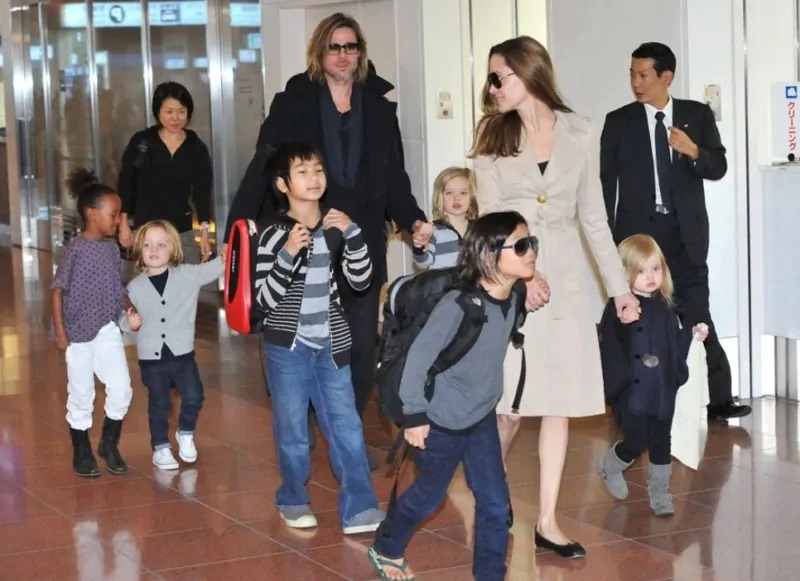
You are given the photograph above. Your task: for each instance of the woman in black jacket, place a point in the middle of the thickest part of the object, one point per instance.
(165, 170)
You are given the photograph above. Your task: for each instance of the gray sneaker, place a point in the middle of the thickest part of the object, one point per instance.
(298, 517)
(364, 522)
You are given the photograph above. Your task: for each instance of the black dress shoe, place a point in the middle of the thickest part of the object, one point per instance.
(571, 550)
(722, 413)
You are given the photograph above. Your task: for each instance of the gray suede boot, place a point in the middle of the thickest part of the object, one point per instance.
(611, 468)
(658, 487)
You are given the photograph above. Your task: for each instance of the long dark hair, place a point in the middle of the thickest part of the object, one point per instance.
(479, 256)
(86, 190)
(500, 134)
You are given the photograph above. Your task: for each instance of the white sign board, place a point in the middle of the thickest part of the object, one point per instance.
(784, 102)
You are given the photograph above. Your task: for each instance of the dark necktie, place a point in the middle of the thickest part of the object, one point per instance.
(663, 162)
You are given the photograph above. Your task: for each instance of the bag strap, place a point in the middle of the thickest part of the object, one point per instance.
(465, 338)
(518, 342)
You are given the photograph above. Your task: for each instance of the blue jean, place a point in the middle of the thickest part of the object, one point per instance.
(479, 450)
(159, 378)
(297, 376)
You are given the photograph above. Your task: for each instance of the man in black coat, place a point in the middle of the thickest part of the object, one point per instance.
(338, 105)
(655, 154)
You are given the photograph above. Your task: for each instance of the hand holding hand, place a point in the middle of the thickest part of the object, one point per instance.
(422, 232)
(700, 331)
(538, 292)
(134, 319)
(628, 309)
(336, 219)
(416, 436)
(299, 238)
(682, 143)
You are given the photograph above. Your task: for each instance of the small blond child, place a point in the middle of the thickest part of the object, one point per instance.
(165, 295)
(644, 365)
(454, 209)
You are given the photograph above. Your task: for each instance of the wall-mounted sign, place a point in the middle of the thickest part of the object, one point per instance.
(784, 103)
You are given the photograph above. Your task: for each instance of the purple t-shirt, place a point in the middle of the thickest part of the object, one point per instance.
(90, 276)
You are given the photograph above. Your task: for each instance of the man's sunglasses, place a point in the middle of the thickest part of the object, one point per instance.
(348, 48)
(522, 246)
(496, 80)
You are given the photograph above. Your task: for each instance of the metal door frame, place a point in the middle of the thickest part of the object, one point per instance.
(24, 133)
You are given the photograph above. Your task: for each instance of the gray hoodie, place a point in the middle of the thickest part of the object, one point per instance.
(470, 389)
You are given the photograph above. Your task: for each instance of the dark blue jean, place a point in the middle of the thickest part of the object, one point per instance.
(479, 450)
(159, 377)
(297, 376)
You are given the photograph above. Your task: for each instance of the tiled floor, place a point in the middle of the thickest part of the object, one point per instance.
(737, 517)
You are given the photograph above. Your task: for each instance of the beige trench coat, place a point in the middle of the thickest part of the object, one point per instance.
(564, 377)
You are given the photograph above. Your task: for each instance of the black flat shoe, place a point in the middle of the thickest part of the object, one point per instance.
(571, 550)
(725, 412)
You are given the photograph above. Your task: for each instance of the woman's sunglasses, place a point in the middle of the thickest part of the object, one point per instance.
(496, 80)
(522, 246)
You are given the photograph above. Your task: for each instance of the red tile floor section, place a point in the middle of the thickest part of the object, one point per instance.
(737, 517)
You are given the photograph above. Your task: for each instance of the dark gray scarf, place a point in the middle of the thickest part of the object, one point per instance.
(332, 125)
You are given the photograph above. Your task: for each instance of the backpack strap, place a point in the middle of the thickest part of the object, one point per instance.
(518, 341)
(465, 338)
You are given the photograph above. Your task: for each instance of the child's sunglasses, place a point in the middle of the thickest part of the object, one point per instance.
(522, 246)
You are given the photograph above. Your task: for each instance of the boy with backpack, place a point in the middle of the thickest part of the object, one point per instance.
(448, 407)
(307, 339)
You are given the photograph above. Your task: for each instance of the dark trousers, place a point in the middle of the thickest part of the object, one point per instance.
(640, 433)
(691, 297)
(480, 452)
(361, 310)
(158, 378)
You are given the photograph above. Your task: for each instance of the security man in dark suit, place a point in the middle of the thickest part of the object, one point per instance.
(655, 154)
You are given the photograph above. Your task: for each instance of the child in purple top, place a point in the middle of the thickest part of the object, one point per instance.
(87, 297)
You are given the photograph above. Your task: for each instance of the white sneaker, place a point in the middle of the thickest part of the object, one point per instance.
(186, 448)
(164, 460)
(298, 517)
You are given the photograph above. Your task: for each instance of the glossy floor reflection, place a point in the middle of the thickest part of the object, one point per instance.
(737, 517)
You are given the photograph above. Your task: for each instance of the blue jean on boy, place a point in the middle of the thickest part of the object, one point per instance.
(479, 450)
(159, 377)
(296, 376)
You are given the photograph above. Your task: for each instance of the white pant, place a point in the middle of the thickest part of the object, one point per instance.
(103, 356)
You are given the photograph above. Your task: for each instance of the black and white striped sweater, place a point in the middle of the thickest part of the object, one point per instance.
(280, 284)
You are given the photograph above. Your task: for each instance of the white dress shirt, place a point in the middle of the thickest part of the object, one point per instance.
(651, 124)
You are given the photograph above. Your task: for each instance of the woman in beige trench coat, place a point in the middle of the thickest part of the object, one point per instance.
(534, 155)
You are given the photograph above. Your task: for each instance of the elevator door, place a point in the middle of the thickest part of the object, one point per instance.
(40, 215)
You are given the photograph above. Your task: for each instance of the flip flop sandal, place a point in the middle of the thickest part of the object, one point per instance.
(381, 563)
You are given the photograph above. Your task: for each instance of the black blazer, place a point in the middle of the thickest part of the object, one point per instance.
(385, 191)
(626, 160)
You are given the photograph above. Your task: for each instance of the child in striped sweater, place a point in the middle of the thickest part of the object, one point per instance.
(454, 209)
(307, 339)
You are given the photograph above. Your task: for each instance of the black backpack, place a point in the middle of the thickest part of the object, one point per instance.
(410, 301)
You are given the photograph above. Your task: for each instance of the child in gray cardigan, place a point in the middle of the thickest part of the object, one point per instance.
(165, 295)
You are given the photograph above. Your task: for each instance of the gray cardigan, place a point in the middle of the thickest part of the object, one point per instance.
(170, 318)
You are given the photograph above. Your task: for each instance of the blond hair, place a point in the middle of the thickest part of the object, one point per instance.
(440, 184)
(635, 251)
(174, 239)
(500, 134)
(321, 38)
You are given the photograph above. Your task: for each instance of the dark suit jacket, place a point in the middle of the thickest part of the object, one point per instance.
(626, 160)
(383, 189)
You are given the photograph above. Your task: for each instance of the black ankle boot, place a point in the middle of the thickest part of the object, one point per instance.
(108, 447)
(83, 462)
